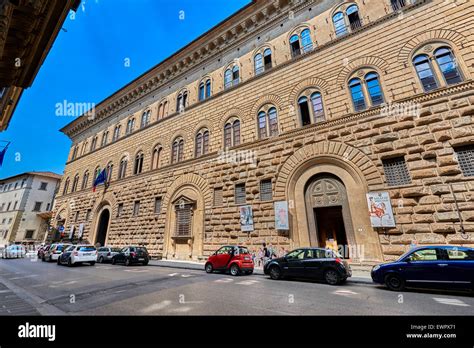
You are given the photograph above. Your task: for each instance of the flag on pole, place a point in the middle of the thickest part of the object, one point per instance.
(2, 154)
(101, 179)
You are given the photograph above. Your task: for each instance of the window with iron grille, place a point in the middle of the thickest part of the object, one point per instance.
(240, 197)
(43, 186)
(266, 190)
(29, 234)
(157, 205)
(119, 209)
(465, 158)
(218, 200)
(396, 171)
(183, 220)
(136, 208)
(88, 214)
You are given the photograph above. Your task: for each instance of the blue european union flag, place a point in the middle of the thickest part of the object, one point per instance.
(2, 154)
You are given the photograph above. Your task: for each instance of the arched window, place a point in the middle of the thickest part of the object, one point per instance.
(373, 88)
(75, 182)
(181, 101)
(84, 147)
(358, 99)
(345, 20)
(116, 133)
(301, 43)
(177, 151)
(138, 167)
(85, 180)
(163, 109)
(155, 158)
(205, 89)
(202, 143)
(268, 122)
(130, 126)
(425, 72)
(66, 187)
(145, 118)
(74, 153)
(232, 133)
(263, 61)
(109, 171)
(448, 66)
(105, 137)
(94, 143)
(231, 76)
(310, 105)
(123, 168)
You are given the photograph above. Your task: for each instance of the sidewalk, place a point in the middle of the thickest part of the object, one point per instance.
(357, 275)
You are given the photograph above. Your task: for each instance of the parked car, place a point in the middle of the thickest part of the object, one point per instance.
(54, 251)
(232, 259)
(311, 263)
(77, 254)
(130, 255)
(105, 254)
(42, 249)
(13, 252)
(430, 267)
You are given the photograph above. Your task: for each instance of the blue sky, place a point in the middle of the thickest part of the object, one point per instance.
(86, 64)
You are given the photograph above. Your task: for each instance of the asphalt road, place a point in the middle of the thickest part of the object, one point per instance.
(34, 287)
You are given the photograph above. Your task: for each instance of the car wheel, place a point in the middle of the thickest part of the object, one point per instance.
(332, 277)
(250, 272)
(59, 261)
(127, 262)
(394, 282)
(275, 272)
(101, 260)
(50, 258)
(92, 263)
(209, 267)
(69, 262)
(113, 261)
(234, 270)
(43, 259)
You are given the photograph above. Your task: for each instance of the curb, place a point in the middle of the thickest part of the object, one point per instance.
(259, 272)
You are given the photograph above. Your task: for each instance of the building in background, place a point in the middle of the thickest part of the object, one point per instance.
(295, 123)
(28, 30)
(26, 202)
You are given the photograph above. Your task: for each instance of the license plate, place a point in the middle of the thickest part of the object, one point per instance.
(247, 258)
(86, 254)
(141, 258)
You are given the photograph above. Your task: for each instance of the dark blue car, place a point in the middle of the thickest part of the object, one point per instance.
(448, 267)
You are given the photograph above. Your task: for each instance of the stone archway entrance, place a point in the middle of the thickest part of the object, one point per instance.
(102, 227)
(328, 212)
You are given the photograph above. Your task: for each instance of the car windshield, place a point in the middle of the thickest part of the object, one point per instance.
(405, 255)
(142, 249)
(71, 248)
(87, 248)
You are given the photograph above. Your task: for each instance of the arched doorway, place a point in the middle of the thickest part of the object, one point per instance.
(102, 227)
(328, 212)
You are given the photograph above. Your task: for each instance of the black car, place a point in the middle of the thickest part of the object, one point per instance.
(312, 263)
(132, 254)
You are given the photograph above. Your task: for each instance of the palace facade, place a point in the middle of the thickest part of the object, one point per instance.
(312, 103)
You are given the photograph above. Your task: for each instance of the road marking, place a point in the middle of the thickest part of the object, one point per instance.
(248, 282)
(186, 275)
(173, 274)
(4, 291)
(27, 276)
(345, 292)
(136, 270)
(156, 306)
(450, 301)
(181, 309)
(224, 280)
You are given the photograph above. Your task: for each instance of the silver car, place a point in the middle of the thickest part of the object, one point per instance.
(105, 254)
(13, 252)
